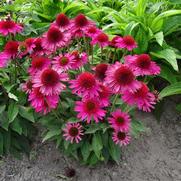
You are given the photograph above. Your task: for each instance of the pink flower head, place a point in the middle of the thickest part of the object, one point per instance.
(73, 132)
(126, 42)
(79, 59)
(85, 85)
(104, 95)
(113, 42)
(92, 31)
(63, 62)
(100, 71)
(38, 63)
(27, 86)
(120, 77)
(4, 58)
(11, 49)
(55, 38)
(42, 103)
(121, 138)
(142, 65)
(101, 39)
(143, 98)
(29, 42)
(63, 22)
(48, 80)
(89, 109)
(120, 121)
(9, 27)
(81, 22)
(38, 48)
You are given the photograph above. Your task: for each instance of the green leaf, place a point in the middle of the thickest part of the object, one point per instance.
(26, 113)
(93, 159)
(167, 74)
(178, 107)
(169, 56)
(51, 134)
(16, 126)
(114, 150)
(2, 108)
(1, 144)
(97, 144)
(85, 150)
(160, 17)
(92, 129)
(137, 127)
(130, 27)
(12, 96)
(13, 110)
(171, 90)
(159, 38)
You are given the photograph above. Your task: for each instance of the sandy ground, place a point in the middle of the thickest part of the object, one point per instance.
(155, 156)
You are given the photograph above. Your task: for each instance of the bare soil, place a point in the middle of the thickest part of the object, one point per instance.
(155, 156)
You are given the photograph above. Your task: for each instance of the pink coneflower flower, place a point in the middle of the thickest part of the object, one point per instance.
(4, 58)
(100, 71)
(79, 24)
(113, 42)
(9, 27)
(11, 49)
(62, 21)
(120, 77)
(63, 62)
(101, 39)
(27, 86)
(48, 80)
(143, 98)
(54, 39)
(120, 121)
(42, 103)
(38, 48)
(73, 132)
(121, 138)
(89, 109)
(92, 31)
(85, 85)
(39, 63)
(30, 44)
(79, 59)
(126, 42)
(142, 64)
(104, 94)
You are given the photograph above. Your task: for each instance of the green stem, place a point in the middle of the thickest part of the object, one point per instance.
(56, 115)
(114, 56)
(114, 102)
(101, 54)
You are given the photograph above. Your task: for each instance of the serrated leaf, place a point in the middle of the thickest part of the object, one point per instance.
(13, 110)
